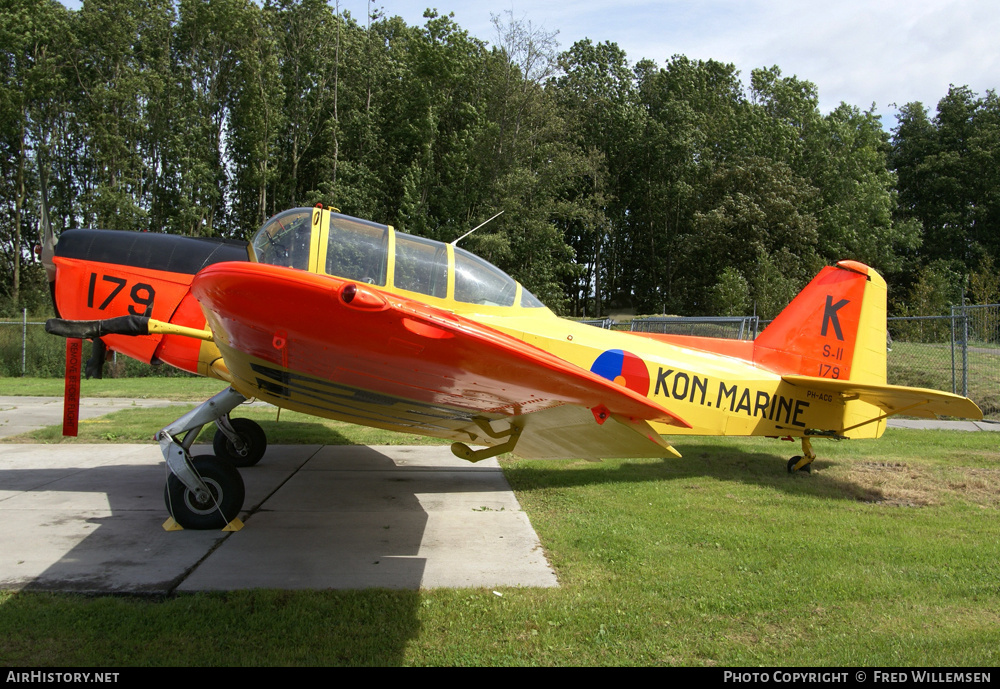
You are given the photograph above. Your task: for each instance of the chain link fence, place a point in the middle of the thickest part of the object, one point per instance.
(729, 327)
(957, 353)
(27, 350)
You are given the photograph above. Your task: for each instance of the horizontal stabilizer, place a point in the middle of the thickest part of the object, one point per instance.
(894, 399)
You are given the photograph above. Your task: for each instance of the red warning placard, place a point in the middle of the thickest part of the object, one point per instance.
(71, 397)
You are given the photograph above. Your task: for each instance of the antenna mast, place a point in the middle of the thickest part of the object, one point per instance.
(455, 243)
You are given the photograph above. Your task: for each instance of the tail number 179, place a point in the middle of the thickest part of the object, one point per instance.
(142, 294)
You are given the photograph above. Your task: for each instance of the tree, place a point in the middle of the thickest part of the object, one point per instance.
(32, 35)
(120, 57)
(308, 40)
(984, 283)
(945, 178)
(647, 186)
(255, 119)
(731, 294)
(596, 95)
(191, 198)
(857, 197)
(753, 220)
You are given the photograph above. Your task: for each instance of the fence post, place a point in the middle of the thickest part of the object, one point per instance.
(965, 348)
(954, 389)
(24, 341)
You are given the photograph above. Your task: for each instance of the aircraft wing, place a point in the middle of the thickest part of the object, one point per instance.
(345, 350)
(894, 399)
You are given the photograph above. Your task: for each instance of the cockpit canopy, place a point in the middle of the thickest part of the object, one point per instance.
(321, 241)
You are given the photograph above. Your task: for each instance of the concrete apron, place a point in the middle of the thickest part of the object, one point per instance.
(88, 518)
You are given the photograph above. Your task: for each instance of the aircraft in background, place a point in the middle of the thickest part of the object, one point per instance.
(347, 319)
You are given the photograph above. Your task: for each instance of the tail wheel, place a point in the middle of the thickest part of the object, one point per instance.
(224, 503)
(254, 443)
(795, 460)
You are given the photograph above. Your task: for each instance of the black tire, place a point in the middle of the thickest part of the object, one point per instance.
(224, 483)
(795, 460)
(253, 437)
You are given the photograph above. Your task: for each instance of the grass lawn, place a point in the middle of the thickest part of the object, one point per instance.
(887, 555)
(160, 387)
(282, 428)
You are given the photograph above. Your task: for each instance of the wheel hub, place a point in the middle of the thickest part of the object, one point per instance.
(209, 504)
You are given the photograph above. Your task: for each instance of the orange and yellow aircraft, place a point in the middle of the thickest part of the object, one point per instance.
(347, 319)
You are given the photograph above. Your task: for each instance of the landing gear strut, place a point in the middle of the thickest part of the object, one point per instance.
(804, 461)
(463, 451)
(204, 492)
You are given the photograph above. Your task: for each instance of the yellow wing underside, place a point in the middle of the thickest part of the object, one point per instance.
(560, 432)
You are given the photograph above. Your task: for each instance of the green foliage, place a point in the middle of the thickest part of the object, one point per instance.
(858, 192)
(948, 178)
(773, 283)
(731, 294)
(33, 352)
(754, 214)
(937, 286)
(984, 283)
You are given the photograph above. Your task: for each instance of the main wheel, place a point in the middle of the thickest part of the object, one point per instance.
(224, 504)
(254, 443)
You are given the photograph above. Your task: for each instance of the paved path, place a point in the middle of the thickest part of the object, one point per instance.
(88, 518)
(23, 414)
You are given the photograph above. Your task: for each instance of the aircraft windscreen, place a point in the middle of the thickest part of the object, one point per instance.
(357, 250)
(479, 282)
(530, 301)
(284, 239)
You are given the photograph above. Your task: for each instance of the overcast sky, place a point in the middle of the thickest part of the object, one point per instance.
(862, 52)
(857, 51)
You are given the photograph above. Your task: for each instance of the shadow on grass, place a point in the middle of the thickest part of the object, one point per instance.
(293, 433)
(240, 628)
(699, 461)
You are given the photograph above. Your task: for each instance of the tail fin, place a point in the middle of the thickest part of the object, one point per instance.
(835, 328)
